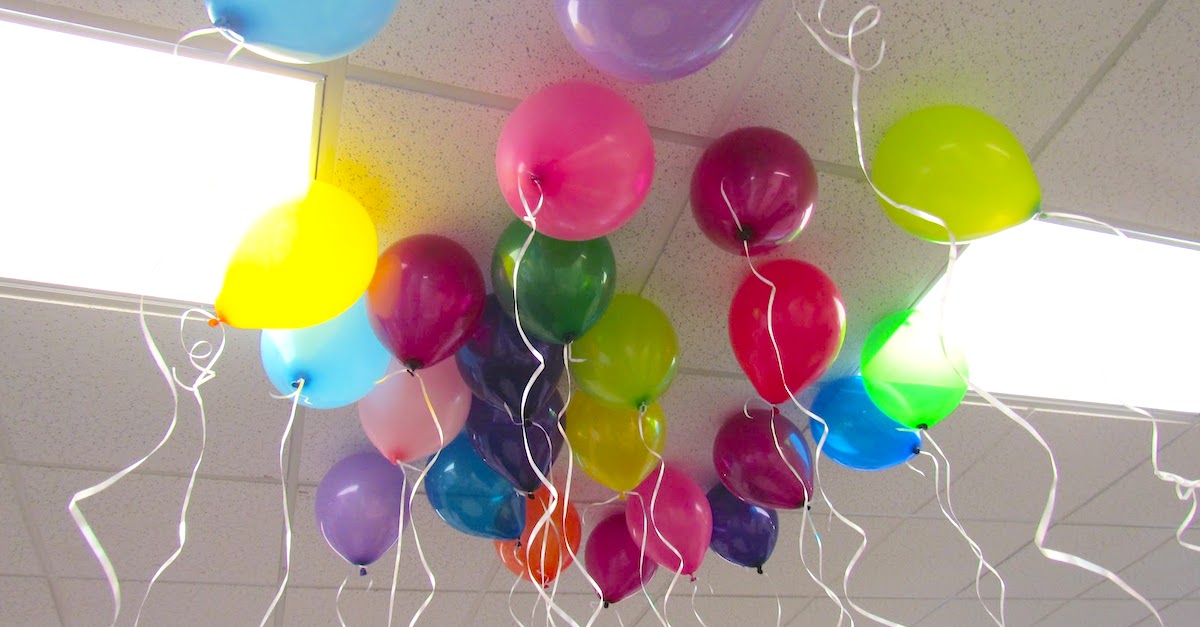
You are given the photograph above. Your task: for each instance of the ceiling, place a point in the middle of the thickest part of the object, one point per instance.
(1104, 95)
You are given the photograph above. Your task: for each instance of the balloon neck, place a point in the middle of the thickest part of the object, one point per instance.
(228, 27)
(362, 572)
(301, 378)
(606, 605)
(917, 450)
(760, 570)
(214, 322)
(693, 579)
(413, 365)
(923, 427)
(745, 234)
(530, 496)
(518, 544)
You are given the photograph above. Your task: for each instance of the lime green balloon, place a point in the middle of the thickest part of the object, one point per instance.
(628, 359)
(564, 286)
(960, 165)
(906, 372)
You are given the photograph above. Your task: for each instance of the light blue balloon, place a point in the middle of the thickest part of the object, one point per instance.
(301, 31)
(471, 497)
(860, 435)
(340, 360)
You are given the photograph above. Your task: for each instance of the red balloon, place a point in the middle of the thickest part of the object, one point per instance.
(809, 321)
(770, 182)
(425, 299)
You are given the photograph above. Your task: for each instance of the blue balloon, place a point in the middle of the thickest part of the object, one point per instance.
(471, 497)
(860, 435)
(301, 31)
(742, 533)
(340, 360)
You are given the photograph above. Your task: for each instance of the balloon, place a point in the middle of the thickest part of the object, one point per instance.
(628, 359)
(860, 435)
(540, 559)
(608, 444)
(396, 418)
(769, 181)
(809, 321)
(358, 507)
(742, 533)
(301, 263)
(301, 31)
(681, 515)
(750, 465)
(653, 42)
(467, 494)
(587, 150)
(497, 365)
(612, 559)
(960, 165)
(425, 299)
(340, 360)
(500, 441)
(907, 374)
(565, 286)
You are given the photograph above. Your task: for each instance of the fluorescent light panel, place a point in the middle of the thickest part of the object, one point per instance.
(1057, 312)
(137, 171)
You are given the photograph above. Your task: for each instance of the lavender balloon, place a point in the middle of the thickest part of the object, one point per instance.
(649, 41)
(358, 507)
(501, 442)
(744, 534)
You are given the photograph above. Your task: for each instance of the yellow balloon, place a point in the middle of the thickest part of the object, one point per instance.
(960, 165)
(608, 445)
(628, 358)
(301, 263)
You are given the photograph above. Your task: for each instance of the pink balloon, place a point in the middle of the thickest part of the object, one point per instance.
(682, 517)
(770, 181)
(749, 464)
(396, 418)
(611, 558)
(589, 151)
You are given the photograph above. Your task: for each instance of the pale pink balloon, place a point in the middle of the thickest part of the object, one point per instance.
(396, 417)
(682, 517)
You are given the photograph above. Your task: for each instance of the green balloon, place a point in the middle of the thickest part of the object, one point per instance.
(564, 286)
(908, 375)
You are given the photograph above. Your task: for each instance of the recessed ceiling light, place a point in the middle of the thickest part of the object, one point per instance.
(133, 170)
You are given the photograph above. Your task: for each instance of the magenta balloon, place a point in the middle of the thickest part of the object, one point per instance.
(590, 152)
(648, 42)
(682, 517)
(425, 299)
(749, 464)
(611, 558)
(770, 181)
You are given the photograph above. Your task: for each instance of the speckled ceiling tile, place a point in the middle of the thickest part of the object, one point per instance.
(1019, 61)
(181, 16)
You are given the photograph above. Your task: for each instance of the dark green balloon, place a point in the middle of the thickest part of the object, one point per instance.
(564, 286)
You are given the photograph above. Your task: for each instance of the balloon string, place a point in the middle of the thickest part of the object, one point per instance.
(287, 510)
(405, 506)
(511, 590)
(337, 601)
(198, 352)
(819, 580)
(416, 486)
(583, 523)
(662, 470)
(778, 601)
(696, 612)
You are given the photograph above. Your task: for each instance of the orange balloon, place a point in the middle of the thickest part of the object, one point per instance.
(541, 559)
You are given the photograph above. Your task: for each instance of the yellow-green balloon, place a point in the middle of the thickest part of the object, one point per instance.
(960, 165)
(611, 446)
(906, 372)
(628, 358)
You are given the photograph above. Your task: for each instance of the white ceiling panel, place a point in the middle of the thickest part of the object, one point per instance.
(330, 436)
(732, 610)
(17, 555)
(312, 607)
(1168, 572)
(181, 16)
(529, 608)
(959, 612)
(27, 602)
(88, 602)
(1096, 614)
(1179, 613)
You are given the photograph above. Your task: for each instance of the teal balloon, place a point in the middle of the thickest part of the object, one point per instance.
(471, 497)
(340, 359)
(860, 435)
(301, 31)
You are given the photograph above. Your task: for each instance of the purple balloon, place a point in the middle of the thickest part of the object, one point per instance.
(744, 534)
(358, 507)
(497, 365)
(500, 441)
(650, 42)
(749, 464)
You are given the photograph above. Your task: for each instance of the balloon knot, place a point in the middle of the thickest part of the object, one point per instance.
(568, 338)
(413, 365)
(606, 605)
(808, 507)
(917, 450)
(760, 570)
(213, 322)
(745, 234)
(530, 496)
(300, 378)
(923, 427)
(693, 579)
(362, 572)
(518, 544)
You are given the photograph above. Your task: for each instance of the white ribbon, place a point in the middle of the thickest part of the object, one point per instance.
(287, 510)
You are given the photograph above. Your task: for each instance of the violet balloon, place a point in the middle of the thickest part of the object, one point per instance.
(497, 365)
(680, 516)
(657, 41)
(769, 181)
(749, 464)
(501, 442)
(612, 558)
(358, 507)
(743, 534)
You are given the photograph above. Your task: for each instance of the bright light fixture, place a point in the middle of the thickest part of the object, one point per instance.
(134, 170)
(1052, 311)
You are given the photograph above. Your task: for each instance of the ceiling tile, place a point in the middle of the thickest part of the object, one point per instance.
(829, 558)
(694, 281)
(1168, 572)
(1018, 61)
(1181, 613)
(181, 16)
(1137, 123)
(17, 555)
(312, 606)
(724, 610)
(1096, 614)
(85, 601)
(903, 611)
(137, 521)
(27, 602)
(330, 436)
(529, 608)
(958, 612)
